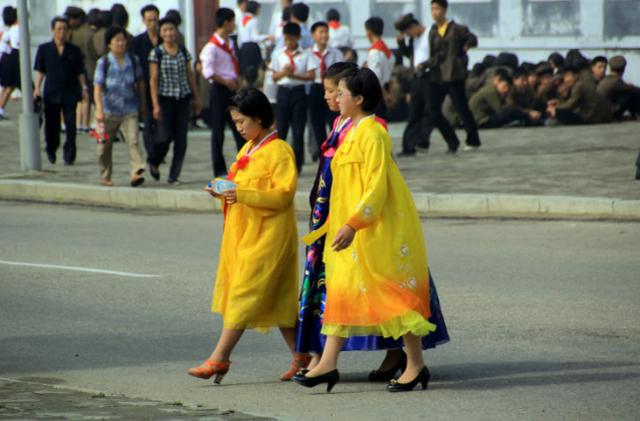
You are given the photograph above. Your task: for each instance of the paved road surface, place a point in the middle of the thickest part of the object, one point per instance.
(543, 316)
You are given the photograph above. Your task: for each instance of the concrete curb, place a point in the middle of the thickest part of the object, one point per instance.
(428, 204)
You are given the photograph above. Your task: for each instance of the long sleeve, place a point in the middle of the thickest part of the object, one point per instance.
(376, 162)
(574, 99)
(281, 192)
(470, 40)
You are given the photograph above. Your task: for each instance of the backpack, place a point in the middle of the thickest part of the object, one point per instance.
(106, 63)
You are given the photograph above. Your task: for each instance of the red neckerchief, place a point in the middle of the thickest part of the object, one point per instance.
(242, 163)
(381, 46)
(246, 19)
(334, 24)
(227, 49)
(291, 56)
(322, 55)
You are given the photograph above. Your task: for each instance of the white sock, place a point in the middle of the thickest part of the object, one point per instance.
(1, 111)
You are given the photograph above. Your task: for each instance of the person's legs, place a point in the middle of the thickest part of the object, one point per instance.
(318, 115)
(568, 117)
(329, 359)
(4, 97)
(51, 129)
(112, 124)
(150, 127)
(218, 118)
(458, 96)
(226, 343)
(412, 131)
(283, 115)
(69, 148)
(162, 134)
(136, 156)
(437, 93)
(415, 362)
(180, 127)
(298, 106)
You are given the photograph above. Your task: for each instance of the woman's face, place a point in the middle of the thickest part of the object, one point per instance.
(168, 33)
(331, 95)
(118, 44)
(248, 127)
(349, 106)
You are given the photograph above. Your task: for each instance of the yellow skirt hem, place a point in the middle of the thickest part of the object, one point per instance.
(410, 322)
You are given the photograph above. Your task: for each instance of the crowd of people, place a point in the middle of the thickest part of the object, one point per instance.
(100, 79)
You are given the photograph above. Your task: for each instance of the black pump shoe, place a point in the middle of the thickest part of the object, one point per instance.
(330, 378)
(387, 375)
(423, 378)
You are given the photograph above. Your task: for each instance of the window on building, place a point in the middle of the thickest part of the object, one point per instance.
(391, 10)
(551, 17)
(319, 9)
(621, 18)
(481, 16)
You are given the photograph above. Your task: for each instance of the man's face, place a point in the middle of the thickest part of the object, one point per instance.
(150, 20)
(60, 31)
(291, 42)
(520, 82)
(438, 13)
(230, 26)
(533, 80)
(74, 23)
(599, 70)
(569, 79)
(502, 87)
(412, 31)
(321, 36)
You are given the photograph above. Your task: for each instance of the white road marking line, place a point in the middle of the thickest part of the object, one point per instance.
(80, 269)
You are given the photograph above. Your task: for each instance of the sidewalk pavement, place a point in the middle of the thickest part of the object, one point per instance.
(561, 172)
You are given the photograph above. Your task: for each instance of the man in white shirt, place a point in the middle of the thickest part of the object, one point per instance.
(379, 58)
(319, 112)
(339, 34)
(419, 127)
(249, 29)
(240, 10)
(292, 68)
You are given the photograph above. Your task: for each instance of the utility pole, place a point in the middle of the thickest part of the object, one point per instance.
(29, 127)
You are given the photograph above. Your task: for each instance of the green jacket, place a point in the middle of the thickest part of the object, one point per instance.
(485, 103)
(584, 100)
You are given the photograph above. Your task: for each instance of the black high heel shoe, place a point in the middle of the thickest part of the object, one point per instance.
(387, 375)
(330, 378)
(423, 378)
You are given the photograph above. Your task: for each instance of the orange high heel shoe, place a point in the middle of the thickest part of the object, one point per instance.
(209, 368)
(299, 362)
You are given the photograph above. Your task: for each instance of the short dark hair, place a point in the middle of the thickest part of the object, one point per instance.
(291, 28)
(520, 72)
(501, 72)
(505, 77)
(333, 14)
(254, 104)
(320, 24)
(120, 15)
(556, 58)
(167, 21)
(74, 12)
(286, 14)
(92, 17)
(253, 7)
(111, 33)
(104, 19)
(224, 15)
(375, 25)
(60, 19)
(149, 8)
(599, 59)
(175, 15)
(571, 69)
(544, 70)
(365, 83)
(9, 15)
(341, 70)
(300, 11)
(441, 3)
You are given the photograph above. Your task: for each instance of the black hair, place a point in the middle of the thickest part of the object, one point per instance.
(291, 28)
(254, 104)
(9, 15)
(286, 14)
(505, 77)
(112, 33)
(333, 14)
(175, 15)
(104, 19)
(365, 83)
(239, 2)
(489, 61)
(340, 70)
(61, 19)
(557, 59)
(599, 59)
(528, 66)
(92, 16)
(520, 72)
(167, 21)
(224, 15)
(501, 72)
(73, 12)
(571, 69)
(320, 24)
(507, 59)
(149, 8)
(442, 3)
(253, 7)
(375, 25)
(477, 69)
(544, 70)
(576, 58)
(300, 11)
(348, 50)
(120, 15)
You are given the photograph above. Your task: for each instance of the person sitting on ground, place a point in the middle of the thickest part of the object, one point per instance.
(599, 68)
(547, 87)
(583, 104)
(621, 96)
(522, 94)
(491, 108)
(556, 62)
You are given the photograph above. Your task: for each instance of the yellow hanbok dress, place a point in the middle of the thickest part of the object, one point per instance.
(257, 281)
(379, 285)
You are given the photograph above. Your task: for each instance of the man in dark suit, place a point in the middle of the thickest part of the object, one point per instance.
(449, 43)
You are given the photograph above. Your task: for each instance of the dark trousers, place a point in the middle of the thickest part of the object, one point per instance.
(419, 125)
(437, 94)
(172, 126)
(320, 115)
(292, 112)
(219, 101)
(150, 126)
(52, 129)
(506, 116)
(568, 117)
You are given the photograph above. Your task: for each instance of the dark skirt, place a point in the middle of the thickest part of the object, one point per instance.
(10, 69)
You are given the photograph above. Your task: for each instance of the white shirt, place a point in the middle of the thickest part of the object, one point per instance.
(340, 37)
(382, 66)
(239, 15)
(421, 48)
(331, 56)
(249, 31)
(303, 60)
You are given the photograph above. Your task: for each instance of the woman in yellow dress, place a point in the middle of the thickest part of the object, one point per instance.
(377, 276)
(257, 281)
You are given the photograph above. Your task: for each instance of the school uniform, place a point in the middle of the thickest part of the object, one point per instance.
(339, 35)
(380, 61)
(319, 112)
(218, 58)
(10, 74)
(249, 30)
(292, 96)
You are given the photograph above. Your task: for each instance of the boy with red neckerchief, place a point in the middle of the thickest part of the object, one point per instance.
(379, 58)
